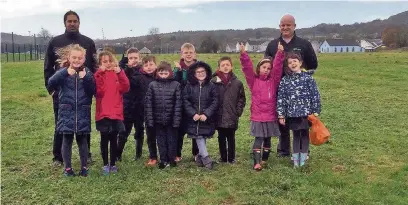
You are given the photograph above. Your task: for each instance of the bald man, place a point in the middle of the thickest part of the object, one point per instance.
(291, 43)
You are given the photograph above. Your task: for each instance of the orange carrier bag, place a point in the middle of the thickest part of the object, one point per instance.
(318, 133)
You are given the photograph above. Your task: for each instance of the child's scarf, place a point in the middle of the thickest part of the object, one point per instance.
(225, 78)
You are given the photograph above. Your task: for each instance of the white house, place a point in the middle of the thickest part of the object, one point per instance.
(231, 49)
(340, 46)
(368, 46)
(254, 46)
(145, 50)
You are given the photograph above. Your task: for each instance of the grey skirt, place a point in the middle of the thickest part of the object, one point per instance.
(265, 129)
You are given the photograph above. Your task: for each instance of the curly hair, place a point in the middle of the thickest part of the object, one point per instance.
(64, 53)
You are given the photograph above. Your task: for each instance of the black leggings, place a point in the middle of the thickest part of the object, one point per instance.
(107, 137)
(259, 141)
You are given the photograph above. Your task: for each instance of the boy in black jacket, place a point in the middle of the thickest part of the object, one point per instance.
(142, 80)
(131, 65)
(232, 103)
(163, 108)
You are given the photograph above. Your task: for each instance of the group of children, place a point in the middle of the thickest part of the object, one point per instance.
(189, 99)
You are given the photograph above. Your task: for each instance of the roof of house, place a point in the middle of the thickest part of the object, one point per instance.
(342, 42)
(144, 50)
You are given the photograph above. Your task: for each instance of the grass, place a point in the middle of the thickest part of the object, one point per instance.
(366, 162)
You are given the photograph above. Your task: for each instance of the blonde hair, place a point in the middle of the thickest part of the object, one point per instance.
(188, 46)
(107, 53)
(64, 53)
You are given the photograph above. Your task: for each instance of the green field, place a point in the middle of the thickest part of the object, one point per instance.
(364, 104)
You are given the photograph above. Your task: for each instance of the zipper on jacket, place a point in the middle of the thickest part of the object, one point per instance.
(199, 108)
(269, 91)
(76, 103)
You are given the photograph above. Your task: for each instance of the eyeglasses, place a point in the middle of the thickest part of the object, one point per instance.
(200, 72)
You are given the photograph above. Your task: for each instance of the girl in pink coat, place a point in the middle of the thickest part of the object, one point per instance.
(263, 84)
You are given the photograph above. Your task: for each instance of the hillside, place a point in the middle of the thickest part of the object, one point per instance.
(172, 41)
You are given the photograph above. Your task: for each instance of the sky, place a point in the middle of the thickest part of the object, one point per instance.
(134, 18)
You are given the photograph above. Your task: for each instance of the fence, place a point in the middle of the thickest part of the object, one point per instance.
(22, 52)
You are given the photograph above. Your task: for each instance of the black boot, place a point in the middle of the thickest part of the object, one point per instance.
(199, 161)
(208, 163)
(265, 154)
(257, 160)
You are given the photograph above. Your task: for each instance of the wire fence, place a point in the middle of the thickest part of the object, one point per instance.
(22, 52)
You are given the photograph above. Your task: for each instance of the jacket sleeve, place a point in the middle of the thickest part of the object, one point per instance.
(124, 82)
(89, 84)
(49, 62)
(281, 103)
(123, 62)
(314, 96)
(187, 105)
(92, 57)
(248, 69)
(100, 83)
(176, 74)
(148, 106)
(277, 69)
(209, 111)
(310, 58)
(178, 106)
(241, 100)
(57, 79)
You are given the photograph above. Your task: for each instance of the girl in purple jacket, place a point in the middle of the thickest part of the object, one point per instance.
(263, 84)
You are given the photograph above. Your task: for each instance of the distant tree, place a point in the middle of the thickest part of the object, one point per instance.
(44, 36)
(258, 34)
(153, 35)
(209, 45)
(389, 37)
(110, 49)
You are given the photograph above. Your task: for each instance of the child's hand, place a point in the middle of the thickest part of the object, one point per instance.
(280, 47)
(241, 47)
(116, 69)
(82, 73)
(282, 121)
(177, 64)
(203, 118)
(196, 117)
(71, 71)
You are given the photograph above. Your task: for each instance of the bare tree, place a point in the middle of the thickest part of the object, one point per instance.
(153, 31)
(154, 36)
(44, 36)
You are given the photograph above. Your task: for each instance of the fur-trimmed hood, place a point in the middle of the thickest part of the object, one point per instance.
(191, 72)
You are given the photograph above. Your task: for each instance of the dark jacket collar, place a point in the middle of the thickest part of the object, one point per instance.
(293, 38)
(72, 35)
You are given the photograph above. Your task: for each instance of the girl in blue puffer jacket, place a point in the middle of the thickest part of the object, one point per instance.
(76, 87)
(298, 97)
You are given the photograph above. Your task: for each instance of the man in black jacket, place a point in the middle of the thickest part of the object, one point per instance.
(291, 43)
(71, 36)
